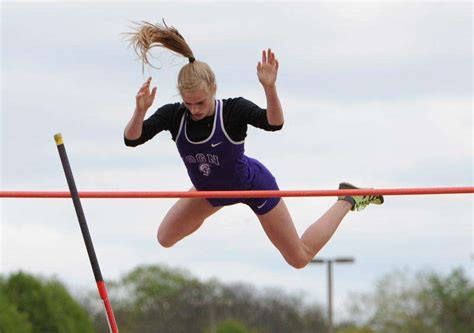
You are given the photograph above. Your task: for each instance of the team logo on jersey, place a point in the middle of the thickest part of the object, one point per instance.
(205, 169)
(202, 158)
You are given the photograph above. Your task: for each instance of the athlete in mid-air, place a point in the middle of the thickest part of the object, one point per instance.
(210, 135)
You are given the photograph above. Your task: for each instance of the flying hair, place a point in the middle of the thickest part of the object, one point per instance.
(194, 75)
(147, 36)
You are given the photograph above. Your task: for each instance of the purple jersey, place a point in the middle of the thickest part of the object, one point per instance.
(219, 163)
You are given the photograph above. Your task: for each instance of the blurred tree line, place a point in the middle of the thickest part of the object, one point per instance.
(161, 299)
(31, 304)
(413, 303)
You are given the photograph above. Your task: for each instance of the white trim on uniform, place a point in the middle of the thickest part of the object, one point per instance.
(180, 126)
(223, 128)
(210, 135)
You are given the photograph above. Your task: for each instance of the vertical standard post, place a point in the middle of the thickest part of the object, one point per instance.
(339, 260)
(85, 233)
(331, 328)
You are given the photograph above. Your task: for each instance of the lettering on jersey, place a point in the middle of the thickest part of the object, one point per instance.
(213, 159)
(201, 159)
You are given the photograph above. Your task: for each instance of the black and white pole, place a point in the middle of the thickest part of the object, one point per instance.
(85, 233)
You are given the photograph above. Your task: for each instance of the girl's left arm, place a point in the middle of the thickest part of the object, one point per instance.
(267, 71)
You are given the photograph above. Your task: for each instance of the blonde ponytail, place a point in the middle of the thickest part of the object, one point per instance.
(194, 75)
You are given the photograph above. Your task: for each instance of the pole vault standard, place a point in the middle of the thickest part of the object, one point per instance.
(236, 194)
(85, 233)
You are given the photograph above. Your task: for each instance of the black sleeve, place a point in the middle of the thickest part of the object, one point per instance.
(254, 115)
(164, 119)
(240, 112)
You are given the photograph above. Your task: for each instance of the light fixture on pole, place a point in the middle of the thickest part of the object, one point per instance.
(338, 260)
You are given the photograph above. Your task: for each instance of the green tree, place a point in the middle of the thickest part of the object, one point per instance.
(47, 304)
(449, 301)
(350, 327)
(232, 326)
(161, 299)
(426, 302)
(11, 320)
(157, 299)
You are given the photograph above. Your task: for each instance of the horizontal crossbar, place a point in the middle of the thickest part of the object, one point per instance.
(235, 194)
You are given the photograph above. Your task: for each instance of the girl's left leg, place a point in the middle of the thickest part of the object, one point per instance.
(298, 252)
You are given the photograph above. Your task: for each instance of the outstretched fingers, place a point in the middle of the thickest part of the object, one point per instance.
(145, 88)
(268, 57)
(153, 93)
(267, 68)
(146, 85)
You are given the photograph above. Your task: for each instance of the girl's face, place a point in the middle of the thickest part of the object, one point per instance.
(200, 102)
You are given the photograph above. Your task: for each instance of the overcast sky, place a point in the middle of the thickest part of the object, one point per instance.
(378, 94)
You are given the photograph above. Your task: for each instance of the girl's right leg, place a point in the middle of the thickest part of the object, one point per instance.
(298, 252)
(185, 217)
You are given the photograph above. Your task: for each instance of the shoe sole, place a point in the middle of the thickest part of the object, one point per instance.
(349, 186)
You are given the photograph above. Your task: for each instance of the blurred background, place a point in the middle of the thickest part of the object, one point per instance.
(375, 93)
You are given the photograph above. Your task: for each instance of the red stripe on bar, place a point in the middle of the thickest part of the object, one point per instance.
(235, 194)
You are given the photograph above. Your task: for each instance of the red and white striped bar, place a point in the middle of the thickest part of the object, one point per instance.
(236, 194)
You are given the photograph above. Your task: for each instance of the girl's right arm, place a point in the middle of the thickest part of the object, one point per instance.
(144, 100)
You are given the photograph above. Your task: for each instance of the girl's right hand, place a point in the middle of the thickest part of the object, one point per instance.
(144, 98)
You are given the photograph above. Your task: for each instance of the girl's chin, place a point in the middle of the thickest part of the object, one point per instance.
(198, 116)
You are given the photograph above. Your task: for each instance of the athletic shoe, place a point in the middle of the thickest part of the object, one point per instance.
(359, 202)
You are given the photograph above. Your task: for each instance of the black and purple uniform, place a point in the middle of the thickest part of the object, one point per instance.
(216, 160)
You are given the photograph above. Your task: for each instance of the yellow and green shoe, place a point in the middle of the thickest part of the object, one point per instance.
(359, 202)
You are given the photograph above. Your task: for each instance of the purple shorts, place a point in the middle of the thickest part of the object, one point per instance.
(263, 180)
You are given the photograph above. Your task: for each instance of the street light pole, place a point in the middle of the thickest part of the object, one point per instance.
(329, 262)
(339, 260)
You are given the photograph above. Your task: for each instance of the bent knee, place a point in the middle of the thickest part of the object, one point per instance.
(164, 240)
(297, 262)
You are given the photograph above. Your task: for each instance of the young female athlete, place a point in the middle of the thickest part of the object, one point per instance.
(210, 134)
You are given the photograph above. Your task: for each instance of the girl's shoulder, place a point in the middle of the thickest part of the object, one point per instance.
(171, 108)
(169, 113)
(237, 103)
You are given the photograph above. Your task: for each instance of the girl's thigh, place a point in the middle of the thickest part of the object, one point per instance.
(185, 217)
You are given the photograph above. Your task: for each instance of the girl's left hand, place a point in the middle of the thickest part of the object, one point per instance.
(267, 69)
